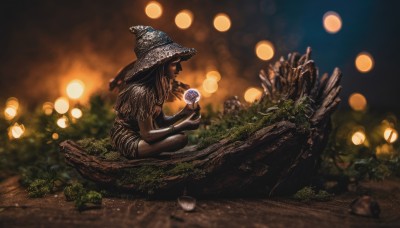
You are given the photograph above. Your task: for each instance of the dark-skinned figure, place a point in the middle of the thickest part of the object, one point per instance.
(141, 129)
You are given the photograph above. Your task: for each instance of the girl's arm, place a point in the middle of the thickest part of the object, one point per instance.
(149, 134)
(162, 120)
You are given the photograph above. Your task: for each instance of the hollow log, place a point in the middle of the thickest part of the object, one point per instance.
(277, 159)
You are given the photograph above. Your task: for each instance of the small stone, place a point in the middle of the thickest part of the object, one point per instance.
(365, 206)
(187, 203)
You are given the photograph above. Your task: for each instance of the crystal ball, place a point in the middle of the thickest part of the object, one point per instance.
(191, 96)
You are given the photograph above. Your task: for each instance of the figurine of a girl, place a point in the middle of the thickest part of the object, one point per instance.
(141, 129)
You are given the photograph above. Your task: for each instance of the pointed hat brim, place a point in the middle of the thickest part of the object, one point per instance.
(158, 56)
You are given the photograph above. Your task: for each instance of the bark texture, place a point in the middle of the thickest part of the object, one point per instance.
(275, 160)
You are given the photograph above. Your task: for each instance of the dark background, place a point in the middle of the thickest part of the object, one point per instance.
(41, 41)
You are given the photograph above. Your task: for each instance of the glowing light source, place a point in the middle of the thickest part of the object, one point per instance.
(358, 138)
(62, 122)
(75, 89)
(12, 102)
(10, 113)
(61, 105)
(357, 102)
(264, 50)
(76, 113)
(222, 22)
(390, 135)
(252, 94)
(153, 10)
(16, 131)
(214, 74)
(332, 22)
(48, 108)
(184, 19)
(55, 136)
(364, 62)
(210, 85)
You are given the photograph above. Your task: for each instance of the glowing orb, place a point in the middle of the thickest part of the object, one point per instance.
(76, 113)
(17, 130)
(358, 138)
(10, 113)
(55, 136)
(222, 22)
(357, 102)
(75, 89)
(252, 94)
(48, 108)
(264, 50)
(153, 10)
(12, 102)
(61, 105)
(214, 74)
(191, 96)
(364, 62)
(62, 122)
(390, 135)
(332, 22)
(210, 85)
(184, 19)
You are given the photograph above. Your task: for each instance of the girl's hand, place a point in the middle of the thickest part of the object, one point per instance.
(189, 123)
(190, 109)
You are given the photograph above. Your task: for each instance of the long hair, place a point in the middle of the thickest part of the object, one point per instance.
(140, 95)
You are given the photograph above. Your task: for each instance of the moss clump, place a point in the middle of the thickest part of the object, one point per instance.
(82, 197)
(307, 194)
(112, 156)
(96, 147)
(39, 188)
(240, 126)
(149, 178)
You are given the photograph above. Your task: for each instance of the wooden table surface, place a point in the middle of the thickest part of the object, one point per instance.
(17, 210)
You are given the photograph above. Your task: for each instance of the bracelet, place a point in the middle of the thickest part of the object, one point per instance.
(172, 128)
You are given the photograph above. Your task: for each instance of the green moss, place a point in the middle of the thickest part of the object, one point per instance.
(112, 156)
(149, 178)
(91, 198)
(307, 194)
(241, 126)
(82, 197)
(96, 147)
(39, 188)
(74, 191)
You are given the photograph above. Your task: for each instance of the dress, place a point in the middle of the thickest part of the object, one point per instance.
(133, 103)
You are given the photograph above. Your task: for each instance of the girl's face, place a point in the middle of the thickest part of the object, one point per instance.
(173, 69)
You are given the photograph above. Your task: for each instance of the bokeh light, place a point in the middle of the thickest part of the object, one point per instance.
(62, 122)
(12, 102)
(75, 89)
(210, 85)
(55, 136)
(48, 108)
(364, 62)
(214, 74)
(76, 113)
(252, 94)
(61, 105)
(16, 131)
(153, 10)
(264, 50)
(358, 138)
(184, 19)
(10, 113)
(222, 22)
(332, 22)
(357, 102)
(390, 135)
